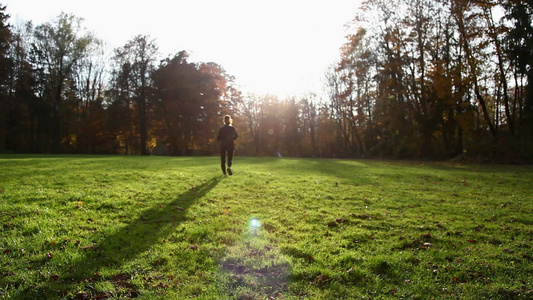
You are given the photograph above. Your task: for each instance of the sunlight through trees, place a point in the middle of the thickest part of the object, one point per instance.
(414, 79)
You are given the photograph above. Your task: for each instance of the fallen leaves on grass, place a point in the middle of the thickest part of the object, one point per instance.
(363, 216)
(457, 232)
(415, 244)
(321, 279)
(91, 246)
(332, 224)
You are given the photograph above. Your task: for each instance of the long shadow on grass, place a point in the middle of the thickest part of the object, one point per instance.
(121, 247)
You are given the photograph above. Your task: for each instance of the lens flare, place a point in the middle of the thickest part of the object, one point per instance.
(255, 223)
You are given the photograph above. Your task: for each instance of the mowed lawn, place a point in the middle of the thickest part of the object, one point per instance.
(97, 227)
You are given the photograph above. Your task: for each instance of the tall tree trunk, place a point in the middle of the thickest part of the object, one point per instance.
(494, 35)
(142, 113)
(56, 134)
(473, 70)
(142, 125)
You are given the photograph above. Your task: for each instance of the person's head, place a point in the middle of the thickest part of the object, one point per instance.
(227, 120)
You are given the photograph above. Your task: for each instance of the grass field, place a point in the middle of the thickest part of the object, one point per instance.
(97, 227)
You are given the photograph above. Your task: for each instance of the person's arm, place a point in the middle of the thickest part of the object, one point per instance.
(219, 137)
(235, 134)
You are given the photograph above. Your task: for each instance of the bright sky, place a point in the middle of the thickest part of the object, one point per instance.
(281, 47)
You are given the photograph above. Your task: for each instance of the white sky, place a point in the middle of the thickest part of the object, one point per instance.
(281, 47)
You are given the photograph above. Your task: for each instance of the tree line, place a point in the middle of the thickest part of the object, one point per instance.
(415, 79)
(437, 78)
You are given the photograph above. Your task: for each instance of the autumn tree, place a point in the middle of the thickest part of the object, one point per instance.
(393, 128)
(135, 63)
(309, 123)
(518, 48)
(187, 104)
(5, 69)
(5, 60)
(88, 91)
(120, 111)
(274, 125)
(355, 100)
(58, 47)
(250, 111)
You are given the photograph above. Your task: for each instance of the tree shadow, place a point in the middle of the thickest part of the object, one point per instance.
(123, 246)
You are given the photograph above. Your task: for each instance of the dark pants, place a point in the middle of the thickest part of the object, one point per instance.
(223, 152)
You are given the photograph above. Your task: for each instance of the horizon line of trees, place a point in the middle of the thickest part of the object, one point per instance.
(415, 79)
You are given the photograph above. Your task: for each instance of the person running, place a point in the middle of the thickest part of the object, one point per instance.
(226, 135)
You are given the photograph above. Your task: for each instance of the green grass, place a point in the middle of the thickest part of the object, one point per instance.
(96, 227)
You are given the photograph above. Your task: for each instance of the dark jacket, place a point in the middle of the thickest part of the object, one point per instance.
(226, 135)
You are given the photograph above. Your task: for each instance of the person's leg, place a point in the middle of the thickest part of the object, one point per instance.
(231, 151)
(223, 160)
